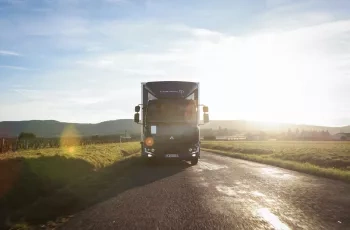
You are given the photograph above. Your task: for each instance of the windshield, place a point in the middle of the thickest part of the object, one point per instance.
(172, 129)
(172, 111)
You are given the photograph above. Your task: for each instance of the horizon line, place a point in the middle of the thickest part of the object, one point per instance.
(259, 121)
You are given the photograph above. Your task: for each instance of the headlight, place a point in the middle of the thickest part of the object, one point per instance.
(150, 150)
(190, 149)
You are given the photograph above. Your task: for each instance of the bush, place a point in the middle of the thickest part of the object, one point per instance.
(211, 137)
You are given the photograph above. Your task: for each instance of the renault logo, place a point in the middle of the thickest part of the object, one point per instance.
(171, 138)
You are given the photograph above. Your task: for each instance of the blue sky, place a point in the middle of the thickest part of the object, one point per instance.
(268, 60)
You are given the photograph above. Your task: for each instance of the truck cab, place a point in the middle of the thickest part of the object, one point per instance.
(170, 120)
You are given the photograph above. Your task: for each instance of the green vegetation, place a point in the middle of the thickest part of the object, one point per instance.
(27, 141)
(47, 128)
(45, 184)
(23, 135)
(328, 159)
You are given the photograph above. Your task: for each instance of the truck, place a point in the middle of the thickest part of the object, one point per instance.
(170, 119)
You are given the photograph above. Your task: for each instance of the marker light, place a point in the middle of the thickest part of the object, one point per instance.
(149, 141)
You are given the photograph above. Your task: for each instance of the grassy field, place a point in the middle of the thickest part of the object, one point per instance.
(48, 185)
(328, 159)
(44, 184)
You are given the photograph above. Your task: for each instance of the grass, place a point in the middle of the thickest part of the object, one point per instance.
(327, 159)
(46, 184)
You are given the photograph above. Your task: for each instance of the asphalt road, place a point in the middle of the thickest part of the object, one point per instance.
(219, 193)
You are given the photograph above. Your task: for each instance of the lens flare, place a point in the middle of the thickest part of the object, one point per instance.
(71, 149)
(70, 140)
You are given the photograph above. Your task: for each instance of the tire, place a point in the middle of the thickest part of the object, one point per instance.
(194, 161)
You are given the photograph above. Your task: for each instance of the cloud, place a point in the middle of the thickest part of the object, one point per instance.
(13, 67)
(269, 74)
(274, 3)
(287, 15)
(9, 53)
(294, 65)
(13, 2)
(117, 1)
(97, 104)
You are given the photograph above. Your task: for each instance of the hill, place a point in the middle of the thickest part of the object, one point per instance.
(254, 126)
(51, 128)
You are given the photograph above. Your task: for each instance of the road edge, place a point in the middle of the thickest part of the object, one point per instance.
(330, 173)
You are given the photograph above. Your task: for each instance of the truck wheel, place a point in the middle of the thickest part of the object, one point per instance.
(194, 161)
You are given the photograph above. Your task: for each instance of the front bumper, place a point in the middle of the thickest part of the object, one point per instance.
(171, 154)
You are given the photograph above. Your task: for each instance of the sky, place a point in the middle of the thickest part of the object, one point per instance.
(263, 60)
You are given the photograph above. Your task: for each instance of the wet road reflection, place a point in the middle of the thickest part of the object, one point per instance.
(258, 196)
(272, 219)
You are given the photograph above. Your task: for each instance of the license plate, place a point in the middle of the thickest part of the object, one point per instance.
(172, 155)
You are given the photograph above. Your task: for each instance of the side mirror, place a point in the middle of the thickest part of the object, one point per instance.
(136, 117)
(137, 109)
(206, 118)
(205, 109)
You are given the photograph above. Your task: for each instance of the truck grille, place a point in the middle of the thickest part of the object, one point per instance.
(172, 148)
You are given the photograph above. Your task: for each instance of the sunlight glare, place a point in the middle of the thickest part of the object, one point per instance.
(269, 77)
(272, 219)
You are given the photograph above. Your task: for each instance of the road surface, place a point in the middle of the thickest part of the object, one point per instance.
(219, 193)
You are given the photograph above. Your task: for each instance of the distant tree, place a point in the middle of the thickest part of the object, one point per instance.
(343, 138)
(210, 137)
(225, 130)
(95, 137)
(24, 135)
